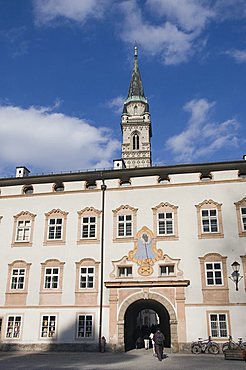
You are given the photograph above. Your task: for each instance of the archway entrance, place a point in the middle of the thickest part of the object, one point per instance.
(141, 317)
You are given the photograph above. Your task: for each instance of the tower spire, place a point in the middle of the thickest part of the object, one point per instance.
(136, 86)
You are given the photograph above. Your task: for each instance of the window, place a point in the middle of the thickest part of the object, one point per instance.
(48, 329)
(218, 325)
(86, 282)
(51, 279)
(167, 270)
(1, 325)
(18, 279)
(13, 327)
(209, 220)
(135, 142)
(165, 221)
(124, 271)
(23, 229)
(59, 187)
(213, 273)
(90, 185)
(85, 326)
(51, 282)
(17, 283)
(89, 225)
(214, 279)
(125, 222)
(28, 189)
(55, 227)
(124, 225)
(86, 277)
(241, 216)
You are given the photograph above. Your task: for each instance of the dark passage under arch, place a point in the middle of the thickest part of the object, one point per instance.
(131, 316)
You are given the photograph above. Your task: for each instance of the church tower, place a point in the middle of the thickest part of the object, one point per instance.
(135, 123)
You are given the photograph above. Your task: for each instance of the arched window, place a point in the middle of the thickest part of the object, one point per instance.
(135, 142)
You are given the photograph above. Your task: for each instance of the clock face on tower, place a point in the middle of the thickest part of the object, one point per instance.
(135, 109)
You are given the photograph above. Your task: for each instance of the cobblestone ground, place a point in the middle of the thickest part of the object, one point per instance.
(132, 360)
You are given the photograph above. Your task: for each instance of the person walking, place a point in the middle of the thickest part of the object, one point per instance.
(159, 344)
(151, 336)
(146, 341)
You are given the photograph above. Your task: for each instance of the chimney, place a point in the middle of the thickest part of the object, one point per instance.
(22, 172)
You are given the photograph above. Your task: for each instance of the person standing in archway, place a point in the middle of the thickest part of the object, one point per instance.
(159, 344)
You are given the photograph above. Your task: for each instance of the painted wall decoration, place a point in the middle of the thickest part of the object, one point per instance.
(145, 253)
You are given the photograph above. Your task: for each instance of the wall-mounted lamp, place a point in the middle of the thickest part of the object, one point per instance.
(235, 275)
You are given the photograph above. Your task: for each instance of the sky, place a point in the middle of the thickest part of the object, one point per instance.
(65, 69)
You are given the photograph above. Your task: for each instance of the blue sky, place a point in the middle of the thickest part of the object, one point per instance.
(65, 69)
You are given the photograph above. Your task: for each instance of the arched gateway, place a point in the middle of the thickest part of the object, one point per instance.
(128, 314)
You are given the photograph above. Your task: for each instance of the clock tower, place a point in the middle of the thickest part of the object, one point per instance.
(136, 123)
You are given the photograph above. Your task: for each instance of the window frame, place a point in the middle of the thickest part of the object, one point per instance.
(241, 204)
(168, 265)
(227, 321)
(51, 275)
(208, 205)
(55, 214)
(87, 276)
(91, 337)
(214, 270)
(49, 316)
(89, 212)
(23, 216)
(8, 327)
(18, 276)
(124, 210)
(126, 268)
(165, 208)
(214, 293)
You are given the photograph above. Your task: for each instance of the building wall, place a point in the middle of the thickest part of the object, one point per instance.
(184, 191)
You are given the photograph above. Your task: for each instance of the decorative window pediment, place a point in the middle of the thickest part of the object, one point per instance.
(169, 268)
(23, 229)
(165, 221)
(125, 222)
(209, 220)
(89, 220)
(122, 269)
(55, 227)
(241, 216)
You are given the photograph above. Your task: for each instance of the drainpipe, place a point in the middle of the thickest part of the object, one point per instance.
(103, 188)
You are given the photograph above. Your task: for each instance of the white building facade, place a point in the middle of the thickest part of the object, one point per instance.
(86, 254)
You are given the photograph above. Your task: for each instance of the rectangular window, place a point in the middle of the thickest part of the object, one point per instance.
(55, 229)
(89, 227)
(209, 221)
(85, 326)
(51, 278)
(166, 270)
(243, 215)
(124, 225)
(86, 277)
(214, 273)
(165, 223)
(218, 325)
(13, 327)
(18, 279)
(124, 271)
(23, 230)
(48, 329)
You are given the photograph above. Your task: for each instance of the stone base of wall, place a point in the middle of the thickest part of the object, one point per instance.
(43, 347)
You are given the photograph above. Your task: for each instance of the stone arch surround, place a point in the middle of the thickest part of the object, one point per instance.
(155, 297)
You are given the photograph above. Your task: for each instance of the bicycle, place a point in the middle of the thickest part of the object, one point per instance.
(233, 345)
(205, 346)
